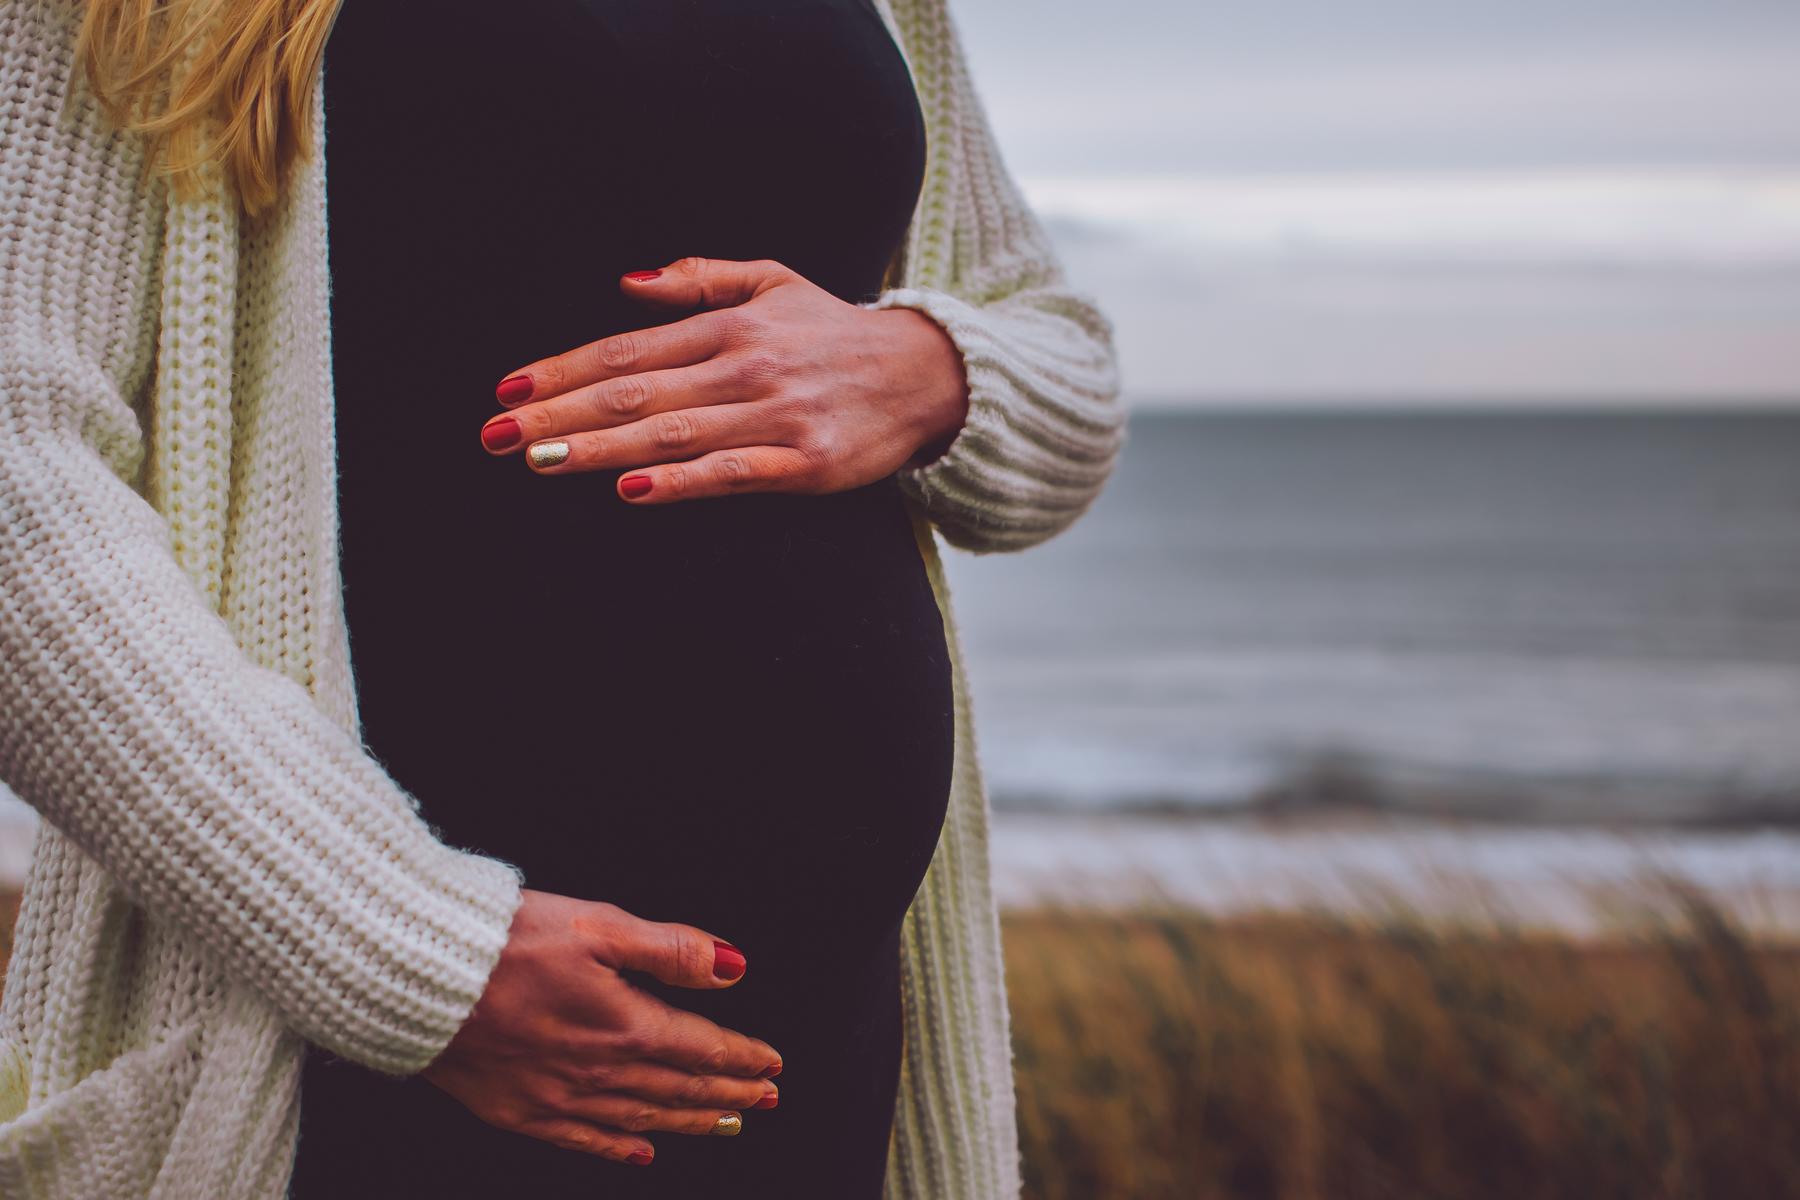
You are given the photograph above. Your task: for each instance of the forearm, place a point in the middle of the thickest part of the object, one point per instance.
(213, 789)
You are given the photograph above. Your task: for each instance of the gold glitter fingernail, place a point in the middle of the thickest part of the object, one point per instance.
(729, 1125)
(548, 454)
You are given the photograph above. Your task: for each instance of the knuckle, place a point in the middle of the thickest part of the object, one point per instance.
(620, 352)
(626, 395)
(792, 417)
(737, 325)
(634, 1041)
(715, 1056)
(549, 379)
(734, 471)
(640, 1117)
(676, 480)
(762, 365)
(572, 1137)
(598, 1077)
(544, 1098)
(676, 430)
(693, 1090)
(505, 1116)
(685, 953)
(596, 919)
(597, 935)
(816, 462)
(814, 399)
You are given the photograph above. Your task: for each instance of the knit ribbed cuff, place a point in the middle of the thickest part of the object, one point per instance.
(1044, 424)
(419, 994)
(953, 478)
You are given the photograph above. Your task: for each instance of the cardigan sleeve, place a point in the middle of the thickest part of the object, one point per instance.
(213, 789)
(1045, 421)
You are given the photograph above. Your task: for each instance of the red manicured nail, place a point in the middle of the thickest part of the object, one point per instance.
(768, 1101)
(514, 389)
(642, 276)
(772, 1072)
(500, 435)
(728, 961)
(639, 1158)
(634, 486)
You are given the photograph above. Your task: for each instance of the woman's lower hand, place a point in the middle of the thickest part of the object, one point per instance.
(562, 1047)
(776, 386)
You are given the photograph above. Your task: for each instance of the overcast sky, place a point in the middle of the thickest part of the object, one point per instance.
(1417, 201)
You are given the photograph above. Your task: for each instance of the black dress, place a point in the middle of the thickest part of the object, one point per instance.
(734, 713)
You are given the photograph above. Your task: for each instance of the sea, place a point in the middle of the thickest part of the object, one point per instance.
(1489, 661)
(1587, 618)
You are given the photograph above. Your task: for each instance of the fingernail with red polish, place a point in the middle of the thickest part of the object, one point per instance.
(642, 276)
(634, 486)
(772, 1072)
(728, 961)
(639, 1158)
(768, 1101)
(514, 389)
(500, 435)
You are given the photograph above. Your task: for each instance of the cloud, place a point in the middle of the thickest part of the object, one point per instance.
(1204, 85)
(1417, 201)
(1442, 288)
(1694, 218)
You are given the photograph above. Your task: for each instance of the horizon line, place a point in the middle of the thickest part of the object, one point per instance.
(1183, 404)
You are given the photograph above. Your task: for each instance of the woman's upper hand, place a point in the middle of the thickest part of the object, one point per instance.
(562, 1047)
(777, 385)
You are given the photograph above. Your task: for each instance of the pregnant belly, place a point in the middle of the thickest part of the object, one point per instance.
(735, 713)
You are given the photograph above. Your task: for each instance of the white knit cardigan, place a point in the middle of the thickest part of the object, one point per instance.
(223, 870)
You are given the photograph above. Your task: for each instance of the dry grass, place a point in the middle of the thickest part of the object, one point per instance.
(1173, 1058)
(1170, 1057)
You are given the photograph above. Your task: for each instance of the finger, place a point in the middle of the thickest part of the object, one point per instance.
(578, 1135)
(679, 1089)
(677, 344)
(687, 1040)
(707, 282)
(663, 438)
(671, 952)
(721, 473)
(615, 402)
(637, 1115)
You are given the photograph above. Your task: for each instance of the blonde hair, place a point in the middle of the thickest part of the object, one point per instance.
(211, 81)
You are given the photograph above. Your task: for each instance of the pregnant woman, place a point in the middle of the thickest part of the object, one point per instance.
(647, 642)
(732, 712)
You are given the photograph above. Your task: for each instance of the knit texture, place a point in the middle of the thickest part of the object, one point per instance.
(223, 870)
(1045, 423)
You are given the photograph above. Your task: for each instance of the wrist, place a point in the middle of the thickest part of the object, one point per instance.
(941, 404)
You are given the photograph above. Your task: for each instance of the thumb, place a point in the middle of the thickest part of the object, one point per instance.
(680, 955)
(706, 282)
